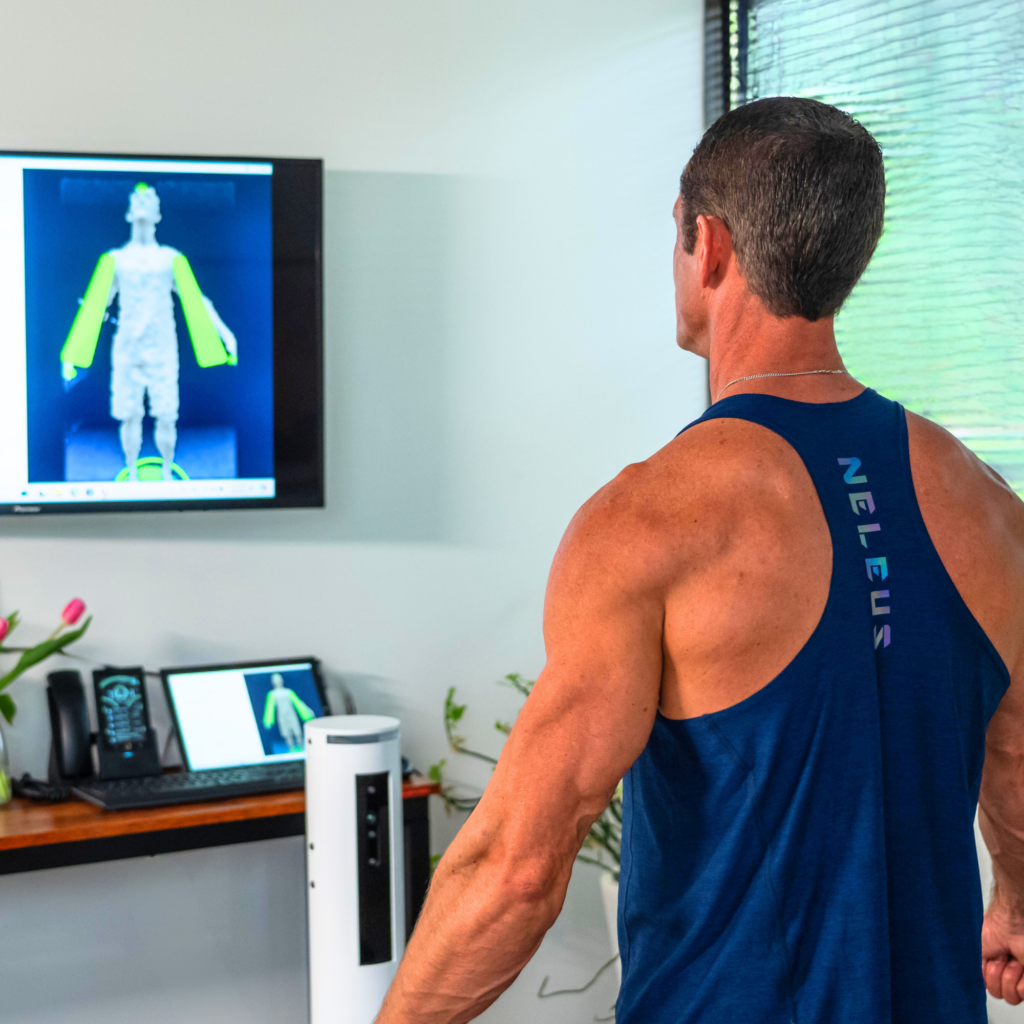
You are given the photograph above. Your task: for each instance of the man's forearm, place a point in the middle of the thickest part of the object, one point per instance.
(1001, 818)
(483, 920)
(1006, 847)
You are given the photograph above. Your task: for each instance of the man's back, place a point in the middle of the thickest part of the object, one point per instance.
(734, 500)
(824, 827)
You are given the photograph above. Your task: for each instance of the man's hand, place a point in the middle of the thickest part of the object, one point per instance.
(1002, 954)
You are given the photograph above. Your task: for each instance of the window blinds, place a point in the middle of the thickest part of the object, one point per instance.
(937, 322)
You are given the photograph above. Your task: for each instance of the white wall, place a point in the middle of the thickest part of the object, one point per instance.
(499, 343)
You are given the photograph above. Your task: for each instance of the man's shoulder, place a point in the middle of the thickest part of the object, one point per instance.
(717, 462)
(947, 473)
(693, 499)
(976, 523)
(130, 249)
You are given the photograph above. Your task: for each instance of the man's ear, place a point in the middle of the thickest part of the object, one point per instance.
(713, 249)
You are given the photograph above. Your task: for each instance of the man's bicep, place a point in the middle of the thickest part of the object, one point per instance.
(593, 706)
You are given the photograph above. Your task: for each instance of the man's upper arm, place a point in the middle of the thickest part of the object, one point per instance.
(593, 706)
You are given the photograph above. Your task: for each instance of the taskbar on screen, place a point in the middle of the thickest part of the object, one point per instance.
(137, 490)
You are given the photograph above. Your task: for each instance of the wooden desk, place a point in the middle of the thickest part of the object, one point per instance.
(34, 835)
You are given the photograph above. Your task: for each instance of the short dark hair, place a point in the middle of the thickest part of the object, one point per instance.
(801, 187)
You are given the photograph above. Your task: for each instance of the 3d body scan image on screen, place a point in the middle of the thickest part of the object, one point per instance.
(282, 702)
(142, 275)
(141, 342)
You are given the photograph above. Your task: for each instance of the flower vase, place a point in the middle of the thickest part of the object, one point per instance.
(5, 769)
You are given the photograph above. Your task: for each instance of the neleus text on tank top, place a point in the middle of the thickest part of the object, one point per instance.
(877, 566)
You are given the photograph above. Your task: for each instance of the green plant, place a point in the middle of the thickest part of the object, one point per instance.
(604, 839)
(55, 643)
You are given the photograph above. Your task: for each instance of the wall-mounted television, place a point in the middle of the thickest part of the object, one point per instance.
(161, 340)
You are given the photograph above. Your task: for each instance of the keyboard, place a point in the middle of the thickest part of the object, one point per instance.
(190, 787)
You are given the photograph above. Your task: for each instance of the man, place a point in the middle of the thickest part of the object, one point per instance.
(790, 630)
(144, 356)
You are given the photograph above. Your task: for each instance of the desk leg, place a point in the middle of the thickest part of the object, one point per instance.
(417, 858)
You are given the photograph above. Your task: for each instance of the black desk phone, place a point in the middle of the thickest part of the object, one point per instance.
(125, 741)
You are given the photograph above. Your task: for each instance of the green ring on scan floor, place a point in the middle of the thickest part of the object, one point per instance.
(151, 468)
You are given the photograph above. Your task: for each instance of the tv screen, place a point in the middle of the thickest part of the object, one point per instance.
(160, 333)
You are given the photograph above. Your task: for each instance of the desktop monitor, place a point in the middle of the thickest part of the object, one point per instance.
(227, 716)
(160, 333)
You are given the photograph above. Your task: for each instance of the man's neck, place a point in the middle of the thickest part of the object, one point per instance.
(745, 339)
(143, 234)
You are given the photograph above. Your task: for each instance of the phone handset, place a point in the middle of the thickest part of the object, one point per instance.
(71, 749)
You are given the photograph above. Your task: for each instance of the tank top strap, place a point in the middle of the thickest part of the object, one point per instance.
(835, 440)
(854, 452)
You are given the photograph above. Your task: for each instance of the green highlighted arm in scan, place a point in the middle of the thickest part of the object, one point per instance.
(212, 340)
(80, 347)
(270, 708)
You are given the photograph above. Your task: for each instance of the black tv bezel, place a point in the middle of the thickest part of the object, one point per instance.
(297, 227)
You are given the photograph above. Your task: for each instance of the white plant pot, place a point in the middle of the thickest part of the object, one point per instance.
(610, 899)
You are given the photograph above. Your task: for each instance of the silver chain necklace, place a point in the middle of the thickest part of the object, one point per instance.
(755, 376)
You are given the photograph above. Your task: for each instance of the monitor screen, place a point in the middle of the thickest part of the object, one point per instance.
(159, 333)
(244, 714)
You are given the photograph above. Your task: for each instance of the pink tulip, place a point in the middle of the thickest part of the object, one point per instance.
(4, 629)
(73, 612)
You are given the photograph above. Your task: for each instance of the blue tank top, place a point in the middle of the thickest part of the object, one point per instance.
(807, 856)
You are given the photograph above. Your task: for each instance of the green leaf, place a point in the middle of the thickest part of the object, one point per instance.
(42, 651)
(518, 682)
(434, 771)
(7, 708)
(452, 713)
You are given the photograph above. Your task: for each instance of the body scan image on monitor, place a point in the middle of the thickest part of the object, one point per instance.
(139, 337)
(277, 701)
(228, 716)
(107, 409)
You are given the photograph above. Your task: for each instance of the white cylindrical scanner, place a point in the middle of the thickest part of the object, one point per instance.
(355, 865)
